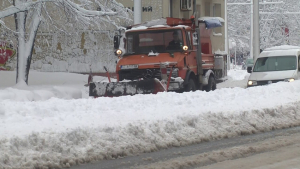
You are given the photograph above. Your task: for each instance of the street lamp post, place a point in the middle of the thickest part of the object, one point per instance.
(137, 11)
(235, 55)
(256, 41)
(226, 37)
(251, 32)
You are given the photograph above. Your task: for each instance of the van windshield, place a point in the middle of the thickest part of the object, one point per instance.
(157, 41)
(278, 63)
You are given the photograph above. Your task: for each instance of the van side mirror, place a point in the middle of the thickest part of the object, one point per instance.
(249, 69)
(116, 42)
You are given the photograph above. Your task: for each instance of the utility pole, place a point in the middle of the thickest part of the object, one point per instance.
(226, 37)
(256, 40)
(235, 54)
(251, 31)
(137, 11)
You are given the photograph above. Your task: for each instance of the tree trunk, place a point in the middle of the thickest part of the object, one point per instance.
(20, 27)
(25, 45)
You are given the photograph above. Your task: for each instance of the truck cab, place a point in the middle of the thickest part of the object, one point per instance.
(175, 44)
(147, 49)
(169, 54)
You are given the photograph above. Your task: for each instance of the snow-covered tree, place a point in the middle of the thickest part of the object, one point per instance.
(56, 15)
(278, 25)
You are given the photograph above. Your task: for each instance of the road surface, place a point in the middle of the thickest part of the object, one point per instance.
(275, 149)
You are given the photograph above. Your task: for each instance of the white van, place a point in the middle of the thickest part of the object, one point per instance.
(280, 63)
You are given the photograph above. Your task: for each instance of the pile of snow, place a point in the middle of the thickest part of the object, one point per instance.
(45, 85)
(61, 132)
(235, 78)
(237, 74)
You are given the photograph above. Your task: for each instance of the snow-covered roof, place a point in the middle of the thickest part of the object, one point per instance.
(208, 18)
(139, 28)
(159, 26)
(219, 52)
(282, 47)
(182, 26)
(161, 21)
(284, 50)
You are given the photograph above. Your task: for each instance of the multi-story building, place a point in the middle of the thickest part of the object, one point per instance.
(55, 51)
(155, 9)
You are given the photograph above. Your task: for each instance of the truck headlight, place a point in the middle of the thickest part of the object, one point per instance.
(252, 83)
(119, 52)
(185, 48)
(289, 80)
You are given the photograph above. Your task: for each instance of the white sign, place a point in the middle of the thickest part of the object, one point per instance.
(129, 66)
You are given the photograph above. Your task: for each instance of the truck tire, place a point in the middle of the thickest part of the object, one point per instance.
(190, 86)
(211, 84)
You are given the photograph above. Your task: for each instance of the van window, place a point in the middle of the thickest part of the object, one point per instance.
(299, 63)
(278, 63)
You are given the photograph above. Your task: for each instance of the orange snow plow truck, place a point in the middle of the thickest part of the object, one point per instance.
(168, 54)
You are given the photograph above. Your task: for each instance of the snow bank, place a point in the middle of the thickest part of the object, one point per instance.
(63, 132)
(45, 85)
(86, 144)
(236, 74)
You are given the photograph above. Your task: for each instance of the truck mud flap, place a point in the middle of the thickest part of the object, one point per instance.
(115, 89)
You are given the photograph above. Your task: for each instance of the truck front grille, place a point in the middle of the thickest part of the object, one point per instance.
(265, 82)
(134, 74)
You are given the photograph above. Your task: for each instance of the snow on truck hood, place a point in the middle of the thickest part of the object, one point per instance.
(274, 75)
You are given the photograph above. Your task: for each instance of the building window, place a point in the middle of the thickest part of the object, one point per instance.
(217, 13)
(207, 8)
(198, 15)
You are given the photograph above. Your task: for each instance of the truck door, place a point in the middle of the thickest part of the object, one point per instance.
(191, 58)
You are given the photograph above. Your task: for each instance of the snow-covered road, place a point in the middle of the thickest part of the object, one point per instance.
(58, 125)
(282, 152)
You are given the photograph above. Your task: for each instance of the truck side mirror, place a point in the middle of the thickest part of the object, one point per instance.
(116, 42)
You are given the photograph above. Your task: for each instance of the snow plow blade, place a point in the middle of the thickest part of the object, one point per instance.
(115, 89)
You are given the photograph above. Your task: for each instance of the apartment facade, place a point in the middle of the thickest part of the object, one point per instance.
(91, 50)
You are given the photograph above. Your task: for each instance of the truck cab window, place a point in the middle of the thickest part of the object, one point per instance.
(188, 39)
(195, 39)
(157, 41)
(130, 44)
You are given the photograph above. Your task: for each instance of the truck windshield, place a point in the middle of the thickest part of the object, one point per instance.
(278, 63)
(157, 41)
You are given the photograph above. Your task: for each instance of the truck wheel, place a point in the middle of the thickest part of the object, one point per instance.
(211, 84)
(190, 86)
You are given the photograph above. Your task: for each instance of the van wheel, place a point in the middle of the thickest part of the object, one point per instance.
(190, 86)
(211, 84)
